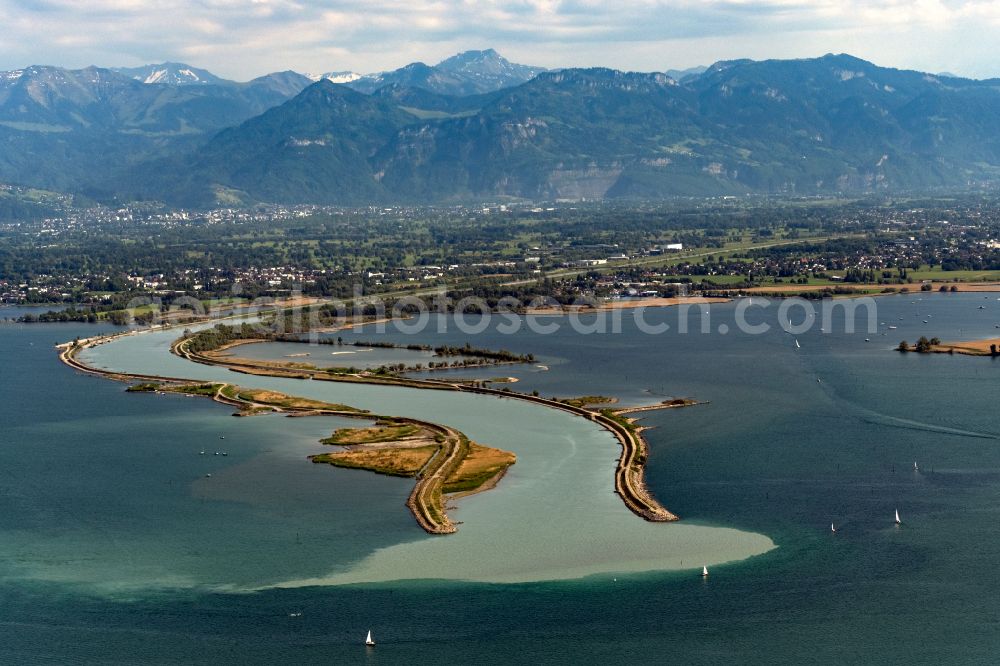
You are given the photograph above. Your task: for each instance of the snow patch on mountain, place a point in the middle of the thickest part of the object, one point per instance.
(11, 76)
(336, 77)
(155, 77)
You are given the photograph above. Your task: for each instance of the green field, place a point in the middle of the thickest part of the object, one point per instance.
(935, 273)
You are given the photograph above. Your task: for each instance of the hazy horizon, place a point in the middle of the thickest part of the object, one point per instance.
(513, 59)
(243, 40)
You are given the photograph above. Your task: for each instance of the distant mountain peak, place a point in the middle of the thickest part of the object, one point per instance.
(415, 67)
(460, 60)
(467, 73)
(171, 74)
(487, 63)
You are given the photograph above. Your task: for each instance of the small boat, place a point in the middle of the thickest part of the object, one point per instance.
(368, 641)
(892, 328)
(898, 521)
(704, 572)
(832, 528)
(915, 468)
(797, 345)
(867, 340)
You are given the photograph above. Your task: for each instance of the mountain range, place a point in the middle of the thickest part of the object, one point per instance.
(80, 129)
(476, 126)
(66, 129)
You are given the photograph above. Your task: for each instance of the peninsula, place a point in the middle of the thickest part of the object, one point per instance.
(444, 462)
(987, 347)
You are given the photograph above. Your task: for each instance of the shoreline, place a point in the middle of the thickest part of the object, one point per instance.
(629, 476)
(982, 347)
(625, 304)
(630, 470)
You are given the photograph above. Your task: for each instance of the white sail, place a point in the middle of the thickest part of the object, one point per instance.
(832, 528)
(898, 521)
(797, 345)
(704, 571)
(369, 641)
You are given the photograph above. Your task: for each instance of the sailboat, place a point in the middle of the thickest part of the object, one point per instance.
(915, 468)
(832, 528)
(368, 641)
(704, 572)
(797, 345)
(898, 521)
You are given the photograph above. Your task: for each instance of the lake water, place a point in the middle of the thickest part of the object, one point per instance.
(14, 311)
(114, 545)
(335, 356)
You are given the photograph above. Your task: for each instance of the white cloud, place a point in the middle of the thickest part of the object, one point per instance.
(245, 38)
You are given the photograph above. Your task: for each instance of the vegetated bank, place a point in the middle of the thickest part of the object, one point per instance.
(988, 347)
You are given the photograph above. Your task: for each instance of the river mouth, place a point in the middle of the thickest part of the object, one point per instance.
(554, 516)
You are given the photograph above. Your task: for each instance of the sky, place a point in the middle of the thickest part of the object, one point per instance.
(241, 39)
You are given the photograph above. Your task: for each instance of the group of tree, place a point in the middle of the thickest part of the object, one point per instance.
(924, 345)
(501, 356)
(213, 338)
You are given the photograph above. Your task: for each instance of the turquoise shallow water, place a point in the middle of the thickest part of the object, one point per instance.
(776, 453)
(333, 355)
(527, 529)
